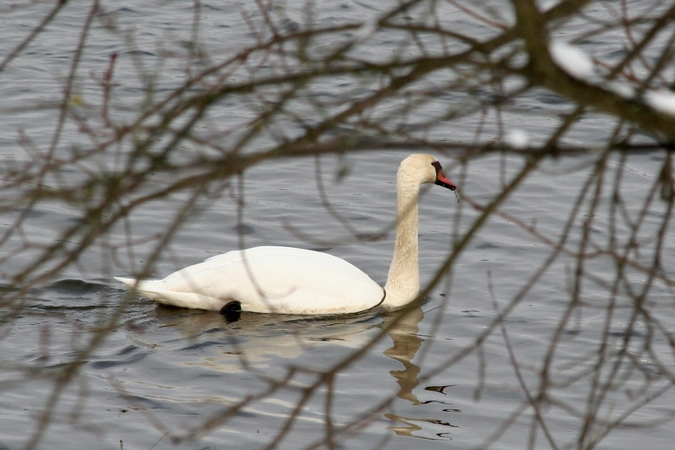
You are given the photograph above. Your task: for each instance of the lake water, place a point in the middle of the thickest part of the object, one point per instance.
(166, 378)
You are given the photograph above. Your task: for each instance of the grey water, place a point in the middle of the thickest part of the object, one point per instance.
(167, 372)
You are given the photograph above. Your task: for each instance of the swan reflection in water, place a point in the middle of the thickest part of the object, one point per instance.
(405, 336)
(260, 342)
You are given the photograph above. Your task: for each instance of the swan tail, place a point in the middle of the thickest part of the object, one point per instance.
(149, 288)
(129, 282)
(156, 290)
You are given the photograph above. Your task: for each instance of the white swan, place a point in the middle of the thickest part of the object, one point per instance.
(296, 281)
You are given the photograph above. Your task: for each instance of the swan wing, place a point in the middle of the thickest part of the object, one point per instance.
(268, 280)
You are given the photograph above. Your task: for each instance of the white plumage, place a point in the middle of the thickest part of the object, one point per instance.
(296, 281)
(267, 280)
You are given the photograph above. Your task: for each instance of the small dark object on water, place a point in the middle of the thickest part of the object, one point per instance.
(231, 311)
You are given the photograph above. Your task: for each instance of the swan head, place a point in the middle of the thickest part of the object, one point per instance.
(422, 169)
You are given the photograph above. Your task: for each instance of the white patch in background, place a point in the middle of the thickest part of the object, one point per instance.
(572, 60)
(545, 5)
(517, 138)
(661, 100)
(624, 90)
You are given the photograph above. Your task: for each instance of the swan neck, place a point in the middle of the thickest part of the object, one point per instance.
(403, 282)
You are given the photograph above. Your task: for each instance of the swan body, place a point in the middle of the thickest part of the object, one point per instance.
(297, 281)
(267, 280)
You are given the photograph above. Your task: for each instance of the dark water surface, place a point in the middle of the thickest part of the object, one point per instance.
(168, 371)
